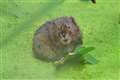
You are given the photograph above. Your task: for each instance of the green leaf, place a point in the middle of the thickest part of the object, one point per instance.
(82, 50)
(82, 54)
(90, 59)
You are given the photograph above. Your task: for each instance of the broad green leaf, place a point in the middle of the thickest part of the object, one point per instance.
(82, 53)
(83, 50)
(90, 59)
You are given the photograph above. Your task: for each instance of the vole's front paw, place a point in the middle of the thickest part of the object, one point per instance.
(71, 53)
(61, 61)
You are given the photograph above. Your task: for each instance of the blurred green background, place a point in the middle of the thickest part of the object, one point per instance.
(100, 24)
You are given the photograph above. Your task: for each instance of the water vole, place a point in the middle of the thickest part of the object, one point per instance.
(56, 38)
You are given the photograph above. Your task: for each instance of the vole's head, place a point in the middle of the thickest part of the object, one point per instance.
(64, 35)
(68, 31)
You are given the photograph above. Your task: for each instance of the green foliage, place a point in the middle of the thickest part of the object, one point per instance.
(83, 50)
(83, 53)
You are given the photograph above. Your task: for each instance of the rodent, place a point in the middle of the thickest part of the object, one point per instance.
(56, 38)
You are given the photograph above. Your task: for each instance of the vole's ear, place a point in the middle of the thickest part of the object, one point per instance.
(73, 20)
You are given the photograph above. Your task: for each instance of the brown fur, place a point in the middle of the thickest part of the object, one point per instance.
(56, 38)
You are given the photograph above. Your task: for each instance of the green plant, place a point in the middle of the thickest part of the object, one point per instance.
(81, 55)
